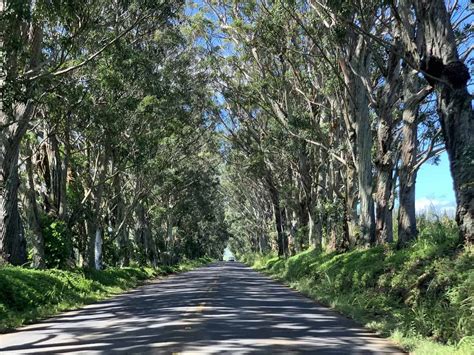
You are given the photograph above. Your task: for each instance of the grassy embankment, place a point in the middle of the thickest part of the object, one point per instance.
(27, 295)
(421, 296)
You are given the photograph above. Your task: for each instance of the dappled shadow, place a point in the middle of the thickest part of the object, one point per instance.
(224, 308)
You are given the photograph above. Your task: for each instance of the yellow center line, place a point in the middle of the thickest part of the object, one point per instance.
(200, 307)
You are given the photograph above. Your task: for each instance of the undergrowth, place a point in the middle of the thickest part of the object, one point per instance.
(27, 295)
(422, 296)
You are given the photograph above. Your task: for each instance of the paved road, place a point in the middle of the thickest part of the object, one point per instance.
(223, 308)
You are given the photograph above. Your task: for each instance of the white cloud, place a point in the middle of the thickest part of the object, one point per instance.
(436, 206)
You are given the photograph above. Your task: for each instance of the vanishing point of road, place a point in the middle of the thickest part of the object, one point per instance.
(224, 308)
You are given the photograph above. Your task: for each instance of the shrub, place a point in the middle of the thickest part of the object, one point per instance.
(57, 242)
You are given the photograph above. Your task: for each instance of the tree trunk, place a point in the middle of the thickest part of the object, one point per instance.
(14, 122)
(305, 198)
(56, 172)
(277, 211)
(385, 159)
(449, 76)
(409, 147)
(384, 224)
(384, 166)
(295, 230)
(169, 236)
(95, 231)
(331, 219)
(359, 110)
(118, 215)
(364, 150)
(351, 203)
(143, 236)
(98, 248)
(33, 216)
(63, 184)
(316, 215)
(12, 239)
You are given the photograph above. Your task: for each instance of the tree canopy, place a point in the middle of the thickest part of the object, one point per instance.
(152, 131)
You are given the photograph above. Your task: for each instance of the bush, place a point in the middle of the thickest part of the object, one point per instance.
(57, 242)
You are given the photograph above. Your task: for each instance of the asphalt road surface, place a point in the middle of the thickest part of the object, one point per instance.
(224, 308)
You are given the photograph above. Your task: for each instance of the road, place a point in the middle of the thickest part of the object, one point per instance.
(224, 308)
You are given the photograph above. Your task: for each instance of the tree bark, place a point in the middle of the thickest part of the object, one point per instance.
(278, 217)
(385, 159)
(365, 178)
(94, 258)
(351, 203)
(169, 236)
(63, 183)
(353, 69)
(33, 216)
(118, 215)
(15, 115)
(98, 248)
(12, 239)
(449, 76)
(305, 198)
(409, 147)
(143, 236)
(56, 172)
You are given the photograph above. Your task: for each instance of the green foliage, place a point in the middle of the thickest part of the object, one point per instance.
(57, 242)
(27, 295)
(258, 261)
(420, 294)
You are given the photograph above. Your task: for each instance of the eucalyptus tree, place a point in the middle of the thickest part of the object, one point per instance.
(429, 45)
(159, 88)
(336, 77)
(442, 67)
(48, 40)
(119, 94)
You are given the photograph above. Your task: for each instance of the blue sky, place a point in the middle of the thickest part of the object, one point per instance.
(434, 188)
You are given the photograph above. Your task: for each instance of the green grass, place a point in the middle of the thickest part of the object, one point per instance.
(421, 296)
(27, 295)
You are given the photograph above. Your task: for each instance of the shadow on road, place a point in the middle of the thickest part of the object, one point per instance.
(223, 308)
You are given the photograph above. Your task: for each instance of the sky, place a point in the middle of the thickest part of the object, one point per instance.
(434, 188)
(227, 253)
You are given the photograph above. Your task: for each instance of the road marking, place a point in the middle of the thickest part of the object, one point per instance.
(201, 307)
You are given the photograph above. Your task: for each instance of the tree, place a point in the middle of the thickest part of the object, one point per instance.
(442, 68)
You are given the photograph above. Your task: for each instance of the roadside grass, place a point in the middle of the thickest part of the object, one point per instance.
(422, 296)
(27, 295)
